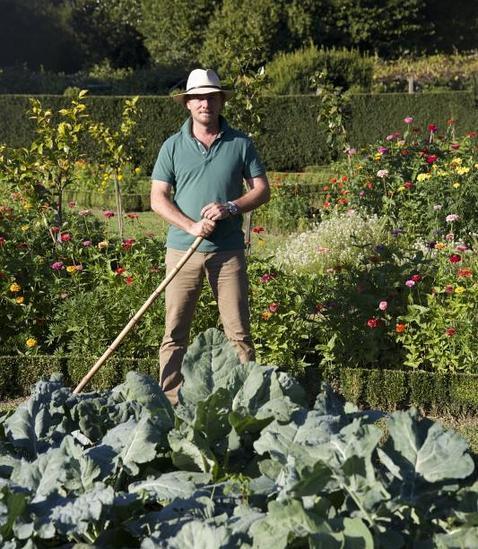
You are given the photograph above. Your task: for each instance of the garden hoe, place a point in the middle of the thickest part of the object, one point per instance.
(138, 315)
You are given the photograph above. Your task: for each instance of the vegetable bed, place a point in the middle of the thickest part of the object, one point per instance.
(242, 461)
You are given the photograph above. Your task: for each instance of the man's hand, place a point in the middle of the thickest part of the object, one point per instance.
(203, 228)
(215, 211)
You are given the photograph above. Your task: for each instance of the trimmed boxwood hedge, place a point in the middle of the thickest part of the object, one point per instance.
(290, 138)
(376, 388)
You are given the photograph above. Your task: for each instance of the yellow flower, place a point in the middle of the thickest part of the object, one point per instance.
(475, 165)
(103, 245)
(377, 156)
(359, 167)
(441, 173)
(31, 342)
(440, 246)
(27, 206)
(423, 176)
(456, 161)
(266, 315)
(15, 287)
(71, 269)
(25, 228)
(20, 299)
(120, 177)
(459, 290)
(456, 185)
(462, 170)
(137, 170)
(401, 189)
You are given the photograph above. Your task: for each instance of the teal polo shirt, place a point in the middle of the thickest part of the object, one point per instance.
(200, 176)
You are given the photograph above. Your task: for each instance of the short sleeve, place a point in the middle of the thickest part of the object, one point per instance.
(164, 166)
(253, 166)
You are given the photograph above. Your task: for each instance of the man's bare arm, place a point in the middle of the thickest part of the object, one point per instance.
(162, 204)
(259, 193)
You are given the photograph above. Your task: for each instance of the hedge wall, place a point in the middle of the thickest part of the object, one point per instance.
(290, 139)
(381, 389)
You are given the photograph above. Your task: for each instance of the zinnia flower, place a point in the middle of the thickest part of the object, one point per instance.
(57, 265)
(273, 307)
(267, 277)
(455, 258)
(258, 230)
(120, 270)
(20, 299)
(65, 237)
(31, 342)
(71, 269)
(382, 173)
(450, 332)
(108, 214)
(266, 315)
(465, 273)
(452, 218)
(410, 283)
(408, 185)
(15, 287)
(459, 290)
(408, 120)
(432, 128)
(103, 245)
(128, 280)
(2, 240)
(86, 243)
(400, 327)
(127, 243)
(416, 278)
(431, 158)
(383, 305)
(373, 322)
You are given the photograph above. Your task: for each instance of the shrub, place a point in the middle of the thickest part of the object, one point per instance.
(292, 73)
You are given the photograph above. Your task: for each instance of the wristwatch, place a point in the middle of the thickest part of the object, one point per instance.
(232, 208)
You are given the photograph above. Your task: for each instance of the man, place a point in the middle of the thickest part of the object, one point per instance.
(205, 164)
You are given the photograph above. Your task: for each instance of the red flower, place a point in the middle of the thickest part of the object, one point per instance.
(55, 230)
(455, 258)
(431, 158)
(373, 322)
(465, 273)
(416, 277)
(128, 280)
(65, 237)
(273, 307)
(120, 270)
(258, 229)
(127, 243)
(450, 332)
(369, 185)
(333, 180)
(408, 185)
(326, 204)
(432, 128)
(455, 146)
(132, 215)
(2, 240)
(345, 178)
(472, 134)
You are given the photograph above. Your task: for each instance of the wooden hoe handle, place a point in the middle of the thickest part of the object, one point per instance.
(110, 350)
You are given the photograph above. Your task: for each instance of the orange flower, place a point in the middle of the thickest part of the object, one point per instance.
(266, 315)
(400, 327)
(465, 273)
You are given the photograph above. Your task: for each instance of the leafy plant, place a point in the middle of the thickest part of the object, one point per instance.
(122, 468)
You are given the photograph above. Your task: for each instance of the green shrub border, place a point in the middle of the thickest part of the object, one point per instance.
(441, 393)
(382, 389)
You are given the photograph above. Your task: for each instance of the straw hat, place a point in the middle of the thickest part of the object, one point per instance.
(202, 81)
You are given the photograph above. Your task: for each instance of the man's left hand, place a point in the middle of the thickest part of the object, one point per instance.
(215, 211)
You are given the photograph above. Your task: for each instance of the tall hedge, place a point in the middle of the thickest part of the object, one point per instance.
(291, 138)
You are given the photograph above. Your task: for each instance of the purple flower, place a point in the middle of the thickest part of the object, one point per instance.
(57, 266)
(383, 150)
(410, 283)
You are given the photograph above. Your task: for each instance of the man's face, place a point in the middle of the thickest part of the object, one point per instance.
(205, 108)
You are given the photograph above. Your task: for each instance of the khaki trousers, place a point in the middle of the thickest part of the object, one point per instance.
(227, 275)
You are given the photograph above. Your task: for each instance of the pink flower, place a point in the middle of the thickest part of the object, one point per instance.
(449, 289)
(431, 158)
(455, 146)
(383, 305)
(273, 307)
(383, 150)
(382, 173)
(462, 248)
(408, 185)
(120, 270)
(108, 214)
(57, 265)
(408, 120)
(410, 283)
(432, 128)
(86, 243)
(452, 218)
(267, 277)
(65, 237)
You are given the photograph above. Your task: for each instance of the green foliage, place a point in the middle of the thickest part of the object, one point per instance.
(174, 31)
(292, 73)
(122, 467)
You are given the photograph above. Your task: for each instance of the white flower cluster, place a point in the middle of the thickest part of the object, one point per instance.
(339, 241)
